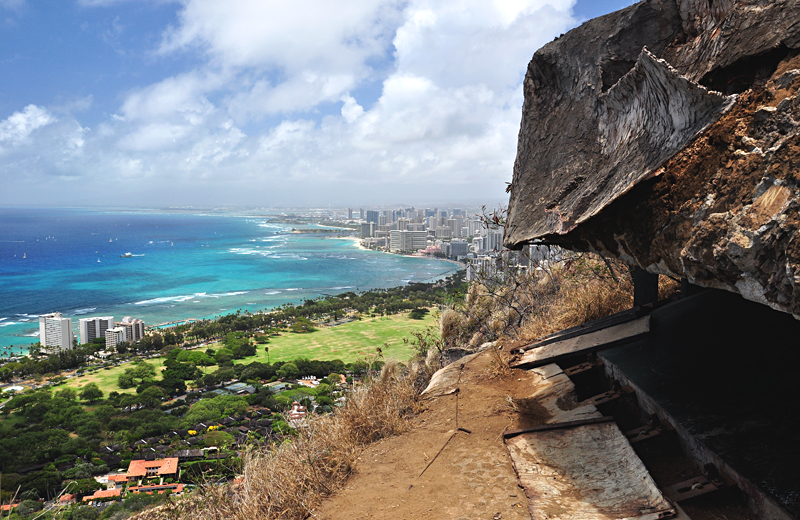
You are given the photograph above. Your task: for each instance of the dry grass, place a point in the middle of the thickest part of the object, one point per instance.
(288, 479)
(526, 305)
(581, 298)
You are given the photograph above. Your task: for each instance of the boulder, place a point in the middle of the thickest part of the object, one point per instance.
(666, 135)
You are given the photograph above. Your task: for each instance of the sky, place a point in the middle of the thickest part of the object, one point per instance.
(159, 103)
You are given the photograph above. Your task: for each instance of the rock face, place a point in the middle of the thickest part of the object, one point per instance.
(667, 135)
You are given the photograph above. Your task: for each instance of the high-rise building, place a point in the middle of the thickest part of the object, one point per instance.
(92, 328)
(382, 220)
(372, 216)
(361, 213)
(367, 229)
(458, 248)
(494, 240)
(114, 337)
(455, 226)
(55, 331)
(349, 213)
(134, 328)
(402, 223)
(403, 240)
(476, 227)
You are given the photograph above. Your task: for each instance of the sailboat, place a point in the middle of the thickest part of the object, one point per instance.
(24, 255)
(110, 240)
(98, 259)
(171, 244)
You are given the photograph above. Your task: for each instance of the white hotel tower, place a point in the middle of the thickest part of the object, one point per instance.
(55, 331)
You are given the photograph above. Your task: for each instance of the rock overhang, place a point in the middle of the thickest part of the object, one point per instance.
(626, 149)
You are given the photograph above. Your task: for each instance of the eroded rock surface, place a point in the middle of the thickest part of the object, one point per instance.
(666, 134)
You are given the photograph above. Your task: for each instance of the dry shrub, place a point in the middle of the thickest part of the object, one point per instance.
(580, 299)
(550, 296)
(287, 480)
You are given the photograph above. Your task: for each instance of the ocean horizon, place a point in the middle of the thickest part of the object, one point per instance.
(183, 265)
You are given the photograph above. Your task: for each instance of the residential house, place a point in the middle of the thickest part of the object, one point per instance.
(161, 468)
(175, 489)
(103, 493)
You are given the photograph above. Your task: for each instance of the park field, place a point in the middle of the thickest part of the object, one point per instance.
(349, 342)
(107, 379)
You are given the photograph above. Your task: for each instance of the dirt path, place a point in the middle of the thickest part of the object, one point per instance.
(472, 478)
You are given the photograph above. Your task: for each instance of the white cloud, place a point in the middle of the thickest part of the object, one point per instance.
(276, 110)
(176, 98)
(20, 125)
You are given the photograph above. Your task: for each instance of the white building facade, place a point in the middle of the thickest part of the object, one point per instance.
(114, 337)
(134, 328)
(55, 332)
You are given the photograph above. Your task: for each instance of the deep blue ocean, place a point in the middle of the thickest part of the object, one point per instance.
(183, 266)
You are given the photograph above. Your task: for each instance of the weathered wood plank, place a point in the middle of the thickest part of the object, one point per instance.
(586, 343)
(587, 472)
(584, 328)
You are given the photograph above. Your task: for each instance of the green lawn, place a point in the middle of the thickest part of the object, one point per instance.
(107, 379)
(348, 342)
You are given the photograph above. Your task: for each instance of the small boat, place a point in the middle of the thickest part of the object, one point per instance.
(98, 259)
(24, 255)
(171, 244)
(126, 255)
(110, 240)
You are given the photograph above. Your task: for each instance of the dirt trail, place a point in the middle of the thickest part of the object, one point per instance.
(472, 478)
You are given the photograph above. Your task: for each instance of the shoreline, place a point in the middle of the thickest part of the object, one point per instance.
(357, 243)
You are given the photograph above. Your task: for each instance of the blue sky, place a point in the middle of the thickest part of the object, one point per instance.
(200, 102)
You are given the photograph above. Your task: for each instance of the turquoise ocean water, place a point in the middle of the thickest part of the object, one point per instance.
(183, 266)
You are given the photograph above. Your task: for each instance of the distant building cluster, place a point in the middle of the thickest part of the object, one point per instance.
(55, 331)
(450, 233)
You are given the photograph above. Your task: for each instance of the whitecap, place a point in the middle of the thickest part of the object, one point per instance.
(164, 299)
(79, 312)
(8, 323)
(234, 293)
(272, 292)
(294, 289)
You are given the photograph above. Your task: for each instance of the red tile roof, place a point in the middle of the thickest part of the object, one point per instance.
(103, 493)
(177, 488)
(138, 468)
(67, 498)
(8, 507)
(118, 478)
